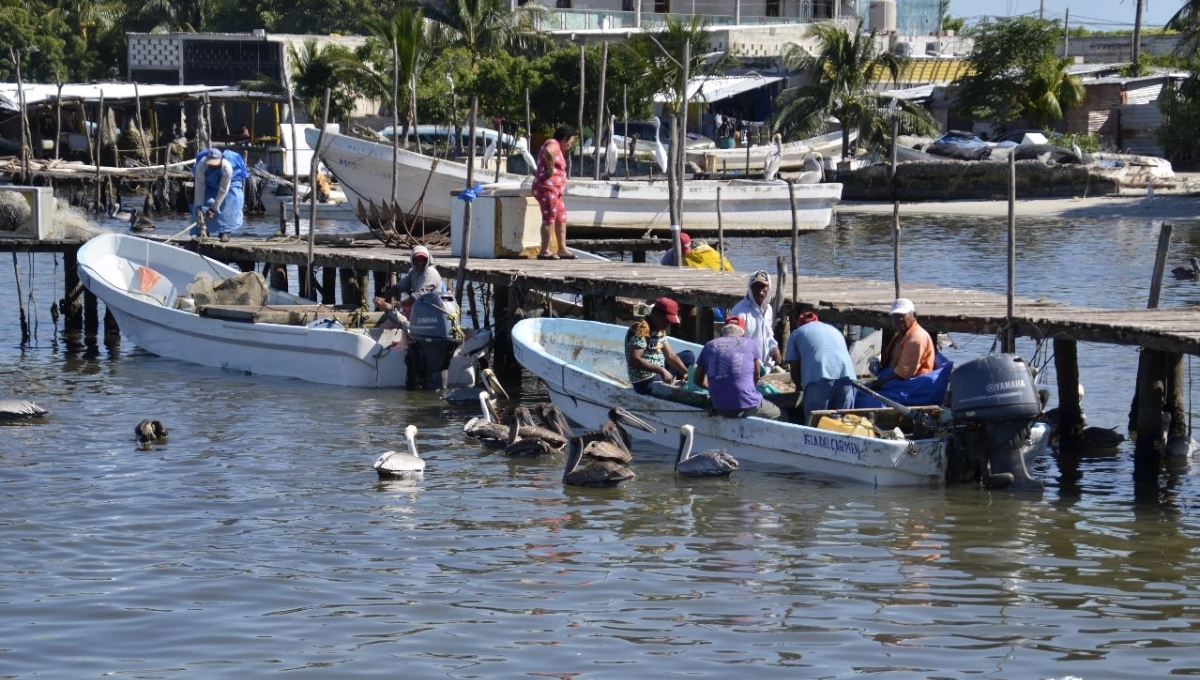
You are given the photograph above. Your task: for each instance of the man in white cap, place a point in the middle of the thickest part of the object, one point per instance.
(755, 309)
(422, 278)
(911, 350)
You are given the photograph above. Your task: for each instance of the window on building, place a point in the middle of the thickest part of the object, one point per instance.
(823, 9)
(773, 8)
(662, 6)
(628, 6)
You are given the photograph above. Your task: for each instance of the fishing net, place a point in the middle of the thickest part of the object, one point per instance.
(247, 288)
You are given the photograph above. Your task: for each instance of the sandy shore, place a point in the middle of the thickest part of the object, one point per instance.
(1178, 202)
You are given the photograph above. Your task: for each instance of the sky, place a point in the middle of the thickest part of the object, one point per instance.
(1098, 15)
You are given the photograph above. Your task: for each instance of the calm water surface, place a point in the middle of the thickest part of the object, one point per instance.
(259, 542)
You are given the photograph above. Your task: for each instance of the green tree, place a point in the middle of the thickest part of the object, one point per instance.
(845, 67)
(315, 69)
(1049, 90)
(1187, 22)
(37, 40)
(555, 95)
(1012, 69)
(658, 57)
(1180, 106)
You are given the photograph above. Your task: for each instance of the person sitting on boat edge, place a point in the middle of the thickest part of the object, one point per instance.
(396, 301)
(648, 356)
(729, 367)
(912, 372)
(697, 255)
(755, 310)
(218, 196)
(820, 365)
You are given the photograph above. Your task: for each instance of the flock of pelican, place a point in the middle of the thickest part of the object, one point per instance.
(599, 457)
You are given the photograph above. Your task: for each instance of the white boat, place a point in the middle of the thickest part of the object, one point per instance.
(334, 209)
(425, 185)
(145, 284)
(583, 367)
(794, 153)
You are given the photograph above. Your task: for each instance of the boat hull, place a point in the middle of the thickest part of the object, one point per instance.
(582, 365)
(108, 268)
(424, 185)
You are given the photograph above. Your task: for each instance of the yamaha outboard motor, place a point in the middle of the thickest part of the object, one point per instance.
(994, 404)
(432, 338)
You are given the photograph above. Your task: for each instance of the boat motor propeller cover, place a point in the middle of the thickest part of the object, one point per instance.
(434, 317)
(994, 388)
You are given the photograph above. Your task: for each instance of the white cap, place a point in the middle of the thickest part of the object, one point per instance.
(903, 306)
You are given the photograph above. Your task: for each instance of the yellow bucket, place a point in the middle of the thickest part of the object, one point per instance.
(848, 424)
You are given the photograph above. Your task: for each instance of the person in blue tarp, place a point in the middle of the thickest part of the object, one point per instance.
(218, 196)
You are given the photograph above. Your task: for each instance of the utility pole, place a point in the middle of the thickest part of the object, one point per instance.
(1137, 39)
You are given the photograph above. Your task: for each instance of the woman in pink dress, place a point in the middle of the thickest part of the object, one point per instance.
(548, 186)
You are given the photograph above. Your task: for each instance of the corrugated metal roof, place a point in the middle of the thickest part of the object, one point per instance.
(37, 94)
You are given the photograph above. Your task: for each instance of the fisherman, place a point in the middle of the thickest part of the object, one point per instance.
(910, 353)
(432, 333)
(821, 365)
(729, 367)
(648, 356)
(396, 301)
(218, 197)
(755, 309)
(697, 255)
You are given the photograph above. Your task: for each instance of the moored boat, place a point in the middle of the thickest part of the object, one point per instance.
(164, 301)
(583, 367)
(424, 185)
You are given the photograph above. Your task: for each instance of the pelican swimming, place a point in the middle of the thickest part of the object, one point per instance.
(150, 432)
(710, 463)
(618, 418)
(610, 152)
(463, 396)
(660, 152)
(533, 440)
(139, 223)
(773, 159)
(1189, 273)
(20, 409)
(116, 212)
(487, 427)
(401, 463)
(595, 472)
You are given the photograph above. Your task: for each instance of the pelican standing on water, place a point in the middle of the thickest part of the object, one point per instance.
(594, 473)
(773, 159)
(710, 463)
(660, 152)
(402, 463)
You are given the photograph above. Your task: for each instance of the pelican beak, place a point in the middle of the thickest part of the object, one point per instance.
(493, 382)
(631, 420)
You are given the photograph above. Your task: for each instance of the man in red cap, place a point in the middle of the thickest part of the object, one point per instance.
(697, 255)
(820, 365)
(729, 367)
(648, 356)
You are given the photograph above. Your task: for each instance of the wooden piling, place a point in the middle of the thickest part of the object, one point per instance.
(508, 312)
(328, 285)
(91, 314)
(71, 305)
(1070, 415)
(1148, 442)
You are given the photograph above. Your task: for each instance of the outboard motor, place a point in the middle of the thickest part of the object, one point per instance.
(433, 335)
(993, 403)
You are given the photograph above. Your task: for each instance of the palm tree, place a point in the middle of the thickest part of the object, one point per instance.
(315, 69)
(846, 66)
(404, 32)
(1050, 89)
(1187, 22)
(659, 56)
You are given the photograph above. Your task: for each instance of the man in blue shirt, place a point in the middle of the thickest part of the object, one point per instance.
(820, 364)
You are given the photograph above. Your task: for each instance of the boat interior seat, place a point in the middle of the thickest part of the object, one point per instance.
(147, 282)
(679, 395)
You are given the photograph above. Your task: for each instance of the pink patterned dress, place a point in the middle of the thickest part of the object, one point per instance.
(550, 182)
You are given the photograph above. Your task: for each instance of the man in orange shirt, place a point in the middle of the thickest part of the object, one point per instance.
(911, 351)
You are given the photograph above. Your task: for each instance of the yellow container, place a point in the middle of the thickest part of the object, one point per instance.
(847, 424)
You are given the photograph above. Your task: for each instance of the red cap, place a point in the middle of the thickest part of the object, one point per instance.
(669, 308)
(685, 241)
(736, 321)
(806, 317)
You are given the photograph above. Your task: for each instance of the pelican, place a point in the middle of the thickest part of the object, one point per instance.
(116, 212)
(532, 440)
(530, 162)
(489, 152)
(1189, 273)
(815, 162)
(618, 418)
(487, 427)
(19, 409)
(400, 463)
(710, 463)
(150, 432)
(660, 153)
(140, 223)
(596, 472)
(773, 159)
(610, 153)
(464, 396)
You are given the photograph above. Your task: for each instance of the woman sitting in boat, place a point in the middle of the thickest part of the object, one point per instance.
(912, 372)
(396, 301)
(648, 356)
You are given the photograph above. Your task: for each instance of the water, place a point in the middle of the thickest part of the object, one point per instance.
(259, 541)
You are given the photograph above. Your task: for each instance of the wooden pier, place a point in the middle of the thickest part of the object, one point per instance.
(1164, 335)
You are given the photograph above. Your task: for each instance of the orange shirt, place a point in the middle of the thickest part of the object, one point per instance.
(911, 354)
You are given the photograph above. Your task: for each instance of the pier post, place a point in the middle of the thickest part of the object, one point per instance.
(91, 314)
(112, 332)
(277, 276)
(328, 285)
(508, 313)
(1174, 405)
(1149, 444)
(600, 308)
(1070, 415)
(71, 305)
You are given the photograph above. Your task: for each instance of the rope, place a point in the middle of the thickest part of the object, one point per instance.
(31, 302)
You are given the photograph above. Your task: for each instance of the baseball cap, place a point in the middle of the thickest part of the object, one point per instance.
(685, 242)
(903, 306)
(214, 156)
(669, 308)
(420, 251)
(806, 317)
(760, 277)
(734, 325)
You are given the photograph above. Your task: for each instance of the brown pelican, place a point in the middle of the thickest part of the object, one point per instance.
(150, 432)
(487, 427)
(611, 447)
(465, 396)
(535, 440)
(1191, 272)
(594, 473)
(710, 463)
(401, 463)
(139, 223)
(19, 409)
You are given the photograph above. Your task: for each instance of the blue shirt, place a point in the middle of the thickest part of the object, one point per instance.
(821, 351)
